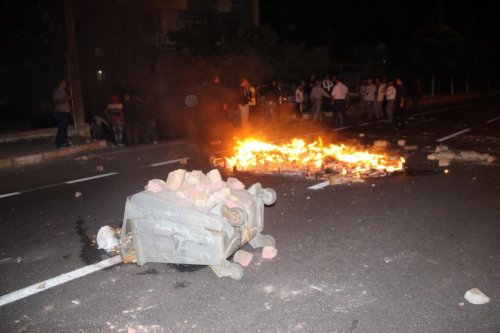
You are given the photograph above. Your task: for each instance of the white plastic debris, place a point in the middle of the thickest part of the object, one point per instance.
(476, 296)
(106, 238)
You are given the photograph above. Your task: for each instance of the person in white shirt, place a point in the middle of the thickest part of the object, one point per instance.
(369, 99)
(390, 96)
(340, 96)
(299, 99)
(379, 99)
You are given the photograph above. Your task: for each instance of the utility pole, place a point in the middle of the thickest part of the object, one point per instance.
(74, 70)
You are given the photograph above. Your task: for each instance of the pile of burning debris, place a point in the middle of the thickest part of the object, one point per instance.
(337, 163)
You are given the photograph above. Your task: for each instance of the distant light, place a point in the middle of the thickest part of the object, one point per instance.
(100, 75)
(446, 171)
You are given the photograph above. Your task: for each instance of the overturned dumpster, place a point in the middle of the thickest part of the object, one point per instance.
(196, 219)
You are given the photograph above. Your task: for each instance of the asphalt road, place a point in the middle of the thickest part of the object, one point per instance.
(393, 254)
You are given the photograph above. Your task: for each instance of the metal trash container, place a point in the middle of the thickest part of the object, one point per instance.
(168, 229)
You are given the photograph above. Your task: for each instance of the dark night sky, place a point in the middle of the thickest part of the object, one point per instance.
(344, 23)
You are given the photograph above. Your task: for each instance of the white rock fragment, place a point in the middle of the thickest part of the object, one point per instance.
(78, 194)
(175, 179)
(242, 257)
(476, 296)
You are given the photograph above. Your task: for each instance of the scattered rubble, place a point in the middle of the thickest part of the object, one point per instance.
(444, 156)
(476, 296)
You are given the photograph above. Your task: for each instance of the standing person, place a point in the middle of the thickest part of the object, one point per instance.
(307, 92)
(340, 96)
(273, 99)
(362, 93)
(369, 99)
(390, 96)
(379, 98)
(253, 97)
(299, 99)
(400, 114)
(62, 114)
(114, 111)
(317, 94)
(243, 102)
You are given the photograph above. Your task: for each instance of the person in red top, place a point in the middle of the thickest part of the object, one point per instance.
(114, 111)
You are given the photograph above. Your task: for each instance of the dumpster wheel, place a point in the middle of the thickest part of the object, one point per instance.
(236, 271)
(231, 269)
(262, 240)
(269, 196)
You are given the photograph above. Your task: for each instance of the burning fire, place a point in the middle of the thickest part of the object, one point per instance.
(297, 156)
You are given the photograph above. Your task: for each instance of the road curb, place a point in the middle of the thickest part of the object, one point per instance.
(50, 155)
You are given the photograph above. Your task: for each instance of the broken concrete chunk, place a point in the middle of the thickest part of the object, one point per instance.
(269, 252)
(476, 296)
(243, 257)
(155, 185)
(219, 196)
(195, 177)
(175, 179)
(199, 198)
(214, 176)
(234, 184)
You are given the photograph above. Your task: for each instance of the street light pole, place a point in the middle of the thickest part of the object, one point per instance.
(73, 69)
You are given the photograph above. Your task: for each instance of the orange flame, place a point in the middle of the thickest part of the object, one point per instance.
(254, 155)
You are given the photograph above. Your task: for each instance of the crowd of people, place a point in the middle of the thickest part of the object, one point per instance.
(122, 120)
(378, 99)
